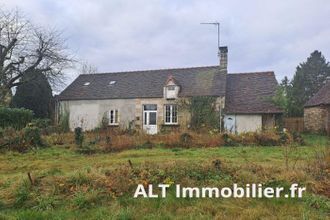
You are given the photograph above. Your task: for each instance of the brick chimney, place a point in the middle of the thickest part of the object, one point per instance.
(223, 54)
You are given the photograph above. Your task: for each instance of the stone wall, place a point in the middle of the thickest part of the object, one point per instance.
(315, 118)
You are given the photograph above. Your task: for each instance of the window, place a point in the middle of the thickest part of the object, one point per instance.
(112, 83)
(87, 83)
(171, 114)
(113, 117)
(171, 88)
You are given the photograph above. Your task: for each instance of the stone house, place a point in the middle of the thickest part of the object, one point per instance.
(148, 100)
(317, 111)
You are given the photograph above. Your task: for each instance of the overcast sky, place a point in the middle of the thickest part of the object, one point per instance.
(148, 34)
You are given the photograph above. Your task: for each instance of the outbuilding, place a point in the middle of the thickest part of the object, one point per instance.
(317, 111)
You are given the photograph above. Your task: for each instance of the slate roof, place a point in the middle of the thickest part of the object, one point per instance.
(322, 97)
(197, 81)
(246, 92)
(249, 93)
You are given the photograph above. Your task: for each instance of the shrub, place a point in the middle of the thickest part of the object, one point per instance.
(203, 112)
(41, 123)
(32, 137)
(104, 122)
(16, 118)
(269, 138)
(22, 140)
(85, 200)
(229, 139)
(185, 140)
(22, 194)
(45, 203)
(297, 138)
(64, 123)
(44, 124)
(79, 136)
(319, 164)
(12, 139)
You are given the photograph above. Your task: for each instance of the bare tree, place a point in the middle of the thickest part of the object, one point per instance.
(25, 48)
(87, 68)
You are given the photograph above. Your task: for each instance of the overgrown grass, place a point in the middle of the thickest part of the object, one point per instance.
(68, 185)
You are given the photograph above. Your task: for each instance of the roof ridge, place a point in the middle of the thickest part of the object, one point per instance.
(150, 70)
(181, 68)
(259, 72)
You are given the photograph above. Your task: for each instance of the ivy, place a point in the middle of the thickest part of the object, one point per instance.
(203, 112)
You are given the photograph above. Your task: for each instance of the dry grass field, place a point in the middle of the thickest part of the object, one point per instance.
(66, 184)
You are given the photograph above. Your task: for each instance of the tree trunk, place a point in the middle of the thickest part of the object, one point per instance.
(5, 96)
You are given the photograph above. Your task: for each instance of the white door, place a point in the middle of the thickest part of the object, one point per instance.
(150, 119)
(230, 124)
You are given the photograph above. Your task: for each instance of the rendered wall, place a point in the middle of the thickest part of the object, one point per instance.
(88, 114)
(244, 123)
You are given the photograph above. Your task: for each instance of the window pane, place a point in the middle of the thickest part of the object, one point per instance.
(111, 117)
(167, 114)
(116, 117)
(174, 114)
(152, 118)
(171, 87)
(150, 107)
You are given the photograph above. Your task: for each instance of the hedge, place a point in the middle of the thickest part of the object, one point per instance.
(16, 118)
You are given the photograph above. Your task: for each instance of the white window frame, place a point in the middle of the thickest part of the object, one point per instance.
(115, 113)
(171, 114)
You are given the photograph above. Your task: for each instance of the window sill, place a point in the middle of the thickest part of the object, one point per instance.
(177, 124)
(113, 125)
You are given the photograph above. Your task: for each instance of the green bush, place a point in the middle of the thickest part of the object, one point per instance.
(16, 118)
(203, 112)
(32, 137)
(41, 123)
(44, 124)
(79, 136)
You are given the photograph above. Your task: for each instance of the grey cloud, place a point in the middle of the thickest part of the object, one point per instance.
(130, 35)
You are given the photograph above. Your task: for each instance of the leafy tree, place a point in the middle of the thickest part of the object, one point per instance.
(310, 76)
(35, 94)
(281, 98)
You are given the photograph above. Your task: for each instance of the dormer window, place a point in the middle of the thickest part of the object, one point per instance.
(171, 88)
